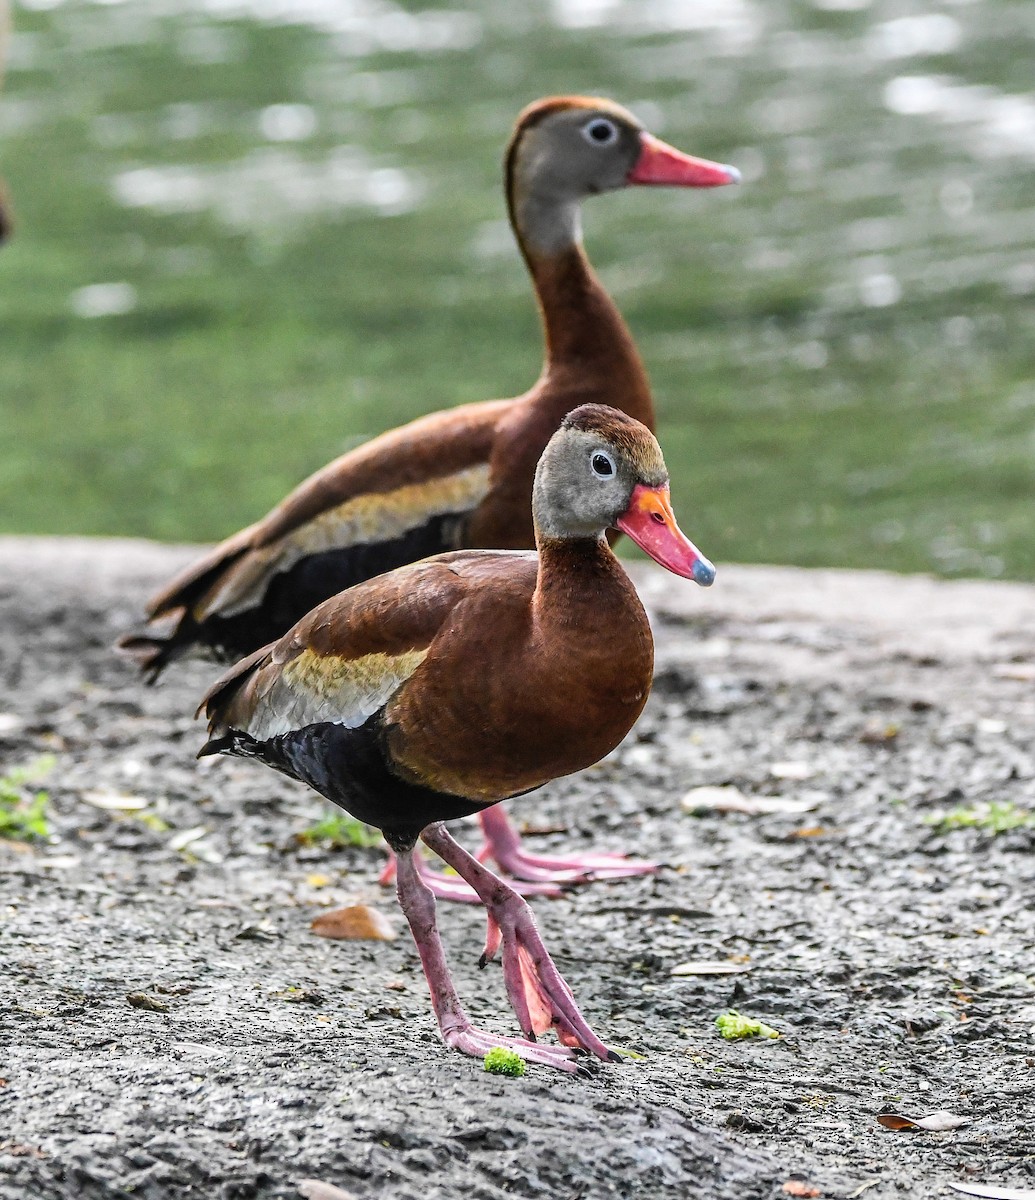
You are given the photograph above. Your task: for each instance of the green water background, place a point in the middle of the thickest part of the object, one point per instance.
(252, 234)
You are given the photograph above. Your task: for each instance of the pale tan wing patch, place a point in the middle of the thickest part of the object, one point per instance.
(367, 519)
(314, 688)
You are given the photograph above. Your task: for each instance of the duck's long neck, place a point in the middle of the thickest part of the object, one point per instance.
(571, 568)
(585, 606)
(588, 345)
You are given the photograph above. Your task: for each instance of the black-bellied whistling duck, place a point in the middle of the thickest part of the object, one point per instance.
(459, 478)
(449, 685)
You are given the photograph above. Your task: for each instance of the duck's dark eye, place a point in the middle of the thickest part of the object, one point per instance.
(600, 131)
(603, 465)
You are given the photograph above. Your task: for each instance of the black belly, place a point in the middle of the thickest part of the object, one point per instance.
(352, 769)
(318, 577)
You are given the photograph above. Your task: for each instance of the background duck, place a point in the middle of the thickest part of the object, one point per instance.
(446, 686)
(462, 477)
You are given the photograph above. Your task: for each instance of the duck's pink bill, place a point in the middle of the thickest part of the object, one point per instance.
(663, 165)
(651, 523)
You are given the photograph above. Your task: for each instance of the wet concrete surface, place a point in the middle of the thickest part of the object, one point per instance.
(894, 955)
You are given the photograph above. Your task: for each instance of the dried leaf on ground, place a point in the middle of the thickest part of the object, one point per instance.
(731, 799)
(879, 733)
(1022, 672)
(936, 1122)
(863, 1187)
(113, 801)
(313, 1189)
(21, 1150)
(722, 967)
(795, 1187)
(993, 1191)
(356, 923)
(186, 837)
(146, 1002)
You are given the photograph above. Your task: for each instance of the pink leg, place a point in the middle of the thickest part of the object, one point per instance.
(538, 993)
(448, 887)
(503, 846)
(454, 1025)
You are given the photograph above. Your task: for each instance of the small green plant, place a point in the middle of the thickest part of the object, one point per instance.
(993, 817)
(732, 1025)
(23, 812)
(337, 830)
(501, 1061)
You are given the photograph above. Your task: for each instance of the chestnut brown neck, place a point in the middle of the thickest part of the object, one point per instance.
(590, 353)
(573, 570)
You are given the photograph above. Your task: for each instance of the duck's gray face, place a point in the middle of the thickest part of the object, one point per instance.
(578, 152)
(582, 148)
(567, 148)
(604, 470)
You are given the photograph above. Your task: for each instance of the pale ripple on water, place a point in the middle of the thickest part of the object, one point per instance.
(271, 188)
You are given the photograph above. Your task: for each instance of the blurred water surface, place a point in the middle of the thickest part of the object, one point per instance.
(253, 232)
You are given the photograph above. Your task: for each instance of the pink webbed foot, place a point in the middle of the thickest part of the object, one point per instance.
(451, 887)
(455, 1026)
(538, 994)
(504, 847)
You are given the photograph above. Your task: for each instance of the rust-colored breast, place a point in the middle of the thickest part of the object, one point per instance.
(530, 682)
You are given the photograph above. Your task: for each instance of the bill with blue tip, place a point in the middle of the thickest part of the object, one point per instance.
(651, 523)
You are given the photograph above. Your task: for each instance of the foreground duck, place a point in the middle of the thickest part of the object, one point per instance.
(459, 478)
(444, 687)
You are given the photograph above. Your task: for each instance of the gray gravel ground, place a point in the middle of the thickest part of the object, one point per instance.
(894, 956)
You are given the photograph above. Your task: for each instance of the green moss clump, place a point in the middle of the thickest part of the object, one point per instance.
(500, 1061)
(337, 831)
(23, 813)
(732, 1025)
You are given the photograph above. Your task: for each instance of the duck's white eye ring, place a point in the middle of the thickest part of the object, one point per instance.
(600, 132)
(602, 464)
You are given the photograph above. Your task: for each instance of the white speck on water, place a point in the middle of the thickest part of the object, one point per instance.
(909, 37)
(103, 300)
(879, 289)
(164, 189)
(287, 122)
(912, 95)
(841, 5)
(390, 190)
